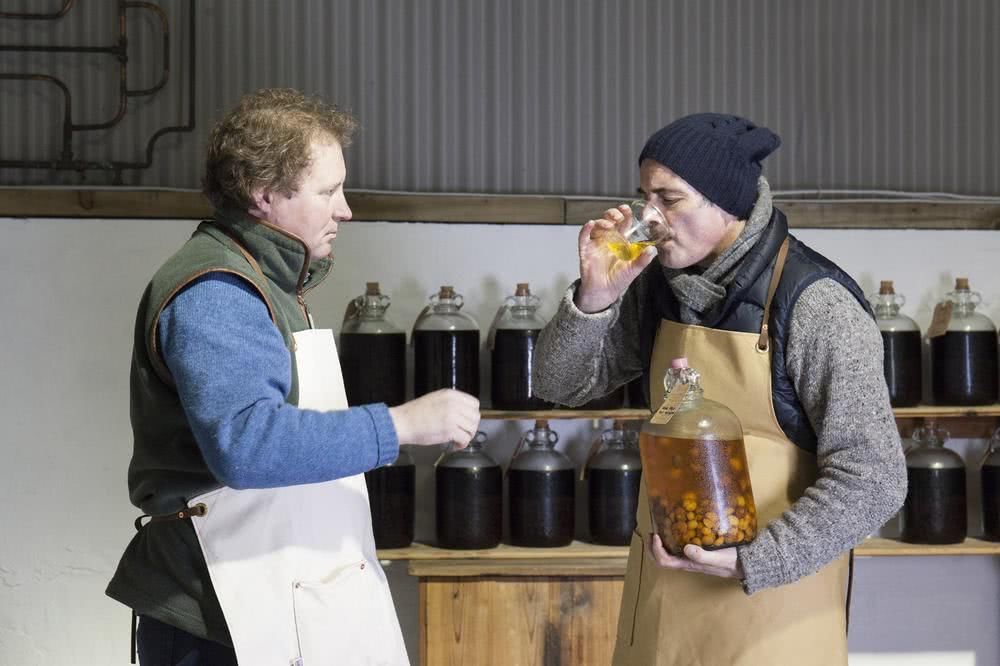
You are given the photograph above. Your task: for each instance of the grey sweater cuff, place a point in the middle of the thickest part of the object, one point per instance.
(763, 564)
(572, 319)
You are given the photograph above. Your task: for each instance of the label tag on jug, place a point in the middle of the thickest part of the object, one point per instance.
(940, 320)
(669, 407)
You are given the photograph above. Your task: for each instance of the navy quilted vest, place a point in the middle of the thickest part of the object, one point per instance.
(742, 309)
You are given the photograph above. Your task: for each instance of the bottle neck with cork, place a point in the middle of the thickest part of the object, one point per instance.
(443, 313)
(520, 311)
(537, 452)
(887, 304)
(963, 306)
(684, 411)
(615, 451)
(929, 450)
(366, 313)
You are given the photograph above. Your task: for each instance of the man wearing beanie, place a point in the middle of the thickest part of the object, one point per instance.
(784, 338)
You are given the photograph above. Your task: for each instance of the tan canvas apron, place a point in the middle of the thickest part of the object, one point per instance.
(295, 568)
(689, 619)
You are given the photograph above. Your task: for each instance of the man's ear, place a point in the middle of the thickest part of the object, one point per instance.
(260, 203)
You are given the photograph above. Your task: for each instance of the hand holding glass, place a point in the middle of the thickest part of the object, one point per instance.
(644, 226)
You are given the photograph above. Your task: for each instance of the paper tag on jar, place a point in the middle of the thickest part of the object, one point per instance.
(940, 320)
(666, 411)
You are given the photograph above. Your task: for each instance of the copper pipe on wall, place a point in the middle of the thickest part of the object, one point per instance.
(120, 51)
(67, 4)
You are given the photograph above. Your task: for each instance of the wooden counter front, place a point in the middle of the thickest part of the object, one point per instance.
(517, 606)
(547, 606)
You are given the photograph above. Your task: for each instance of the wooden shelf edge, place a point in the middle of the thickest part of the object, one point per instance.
(880, 547)
(471, 208)
(508, 415)
(941, 411)
(576, 550)
(590, 555)
(575, 567)
(921, 411)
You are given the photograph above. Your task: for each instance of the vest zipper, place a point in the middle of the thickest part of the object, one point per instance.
(305, 310)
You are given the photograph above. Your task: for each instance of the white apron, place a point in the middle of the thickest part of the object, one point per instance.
(295, 568)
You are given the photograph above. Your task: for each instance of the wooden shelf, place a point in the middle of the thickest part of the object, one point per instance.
(577, 549)
(942, 412)
(374, 205)
(626, 414)
(585, 559)
(918, 412)
(577, 559)
(878, 547)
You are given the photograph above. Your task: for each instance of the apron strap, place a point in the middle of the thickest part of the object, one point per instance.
(850, 589)
(198, 509)
(779, 266)
(133, 636)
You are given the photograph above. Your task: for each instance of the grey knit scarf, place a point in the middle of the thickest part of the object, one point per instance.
(699, 290)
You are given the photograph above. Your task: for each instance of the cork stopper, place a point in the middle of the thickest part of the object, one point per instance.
(522, 289)
(542, 424)
(618, 425)
(962, 284)
(447, 291)
(371, 289)
(885, 287)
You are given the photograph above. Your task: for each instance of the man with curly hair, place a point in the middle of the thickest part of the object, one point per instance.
(248, 463)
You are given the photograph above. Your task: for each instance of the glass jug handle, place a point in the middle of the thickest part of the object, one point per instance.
(354, 307)
(520, 443)
(898, 300)
(594, 448)
(991, 446)
(384, 301)
(491, 337)
(420, 317)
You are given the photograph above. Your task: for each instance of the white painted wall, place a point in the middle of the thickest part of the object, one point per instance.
(66, 313)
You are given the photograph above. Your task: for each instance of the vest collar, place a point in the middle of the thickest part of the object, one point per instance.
(283, 257)
(758, 260)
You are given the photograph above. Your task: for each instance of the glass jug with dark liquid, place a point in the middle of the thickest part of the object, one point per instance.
(901, 345)
(613, 475)
(964, 367)
(469, 491)
(372, 352)
(935, 507)
(542, 491)
(515, 331)
(392, 496)
(445, 346)
(697, 476)
(990, 474)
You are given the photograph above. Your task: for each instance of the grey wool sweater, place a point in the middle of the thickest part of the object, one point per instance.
(834, 360)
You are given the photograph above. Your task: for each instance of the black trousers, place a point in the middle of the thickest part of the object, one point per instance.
(160, 644)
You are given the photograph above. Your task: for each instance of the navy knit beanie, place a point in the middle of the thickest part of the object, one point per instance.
(716, 154)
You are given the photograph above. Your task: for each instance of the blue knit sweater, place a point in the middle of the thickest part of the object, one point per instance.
(233, 374)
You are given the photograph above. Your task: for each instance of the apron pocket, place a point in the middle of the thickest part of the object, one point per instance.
(344, 619)
(630, 593)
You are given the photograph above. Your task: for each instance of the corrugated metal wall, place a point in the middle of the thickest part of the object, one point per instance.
(556, 96)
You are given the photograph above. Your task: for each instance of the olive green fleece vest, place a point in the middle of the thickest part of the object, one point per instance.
(167, 468)
(162, 573)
